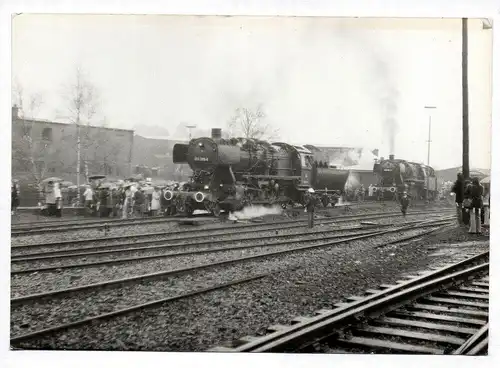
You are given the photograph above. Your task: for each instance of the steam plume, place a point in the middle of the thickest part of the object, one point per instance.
(254, 211)
(389, 96)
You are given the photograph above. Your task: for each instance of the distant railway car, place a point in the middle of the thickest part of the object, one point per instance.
(395, 175)
(229, 174)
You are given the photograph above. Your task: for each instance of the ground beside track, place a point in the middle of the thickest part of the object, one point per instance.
(219, 317)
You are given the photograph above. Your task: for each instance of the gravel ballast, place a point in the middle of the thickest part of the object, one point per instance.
(231, 231)
(182, 248)
(138, 228)
(218, 318)
(93, 302)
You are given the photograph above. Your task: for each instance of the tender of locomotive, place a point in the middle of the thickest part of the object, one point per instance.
(395, 176)
(229, 174)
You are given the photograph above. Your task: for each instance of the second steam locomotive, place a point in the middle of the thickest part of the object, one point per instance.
(396, 176)
(229, 174)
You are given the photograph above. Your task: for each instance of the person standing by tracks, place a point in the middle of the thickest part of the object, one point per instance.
(58, 199)
(459, 188)
(155, 201)
(14, 197)
(404, 203)
(310, 204)
(475, 192)
(50, 198)
(89, 198)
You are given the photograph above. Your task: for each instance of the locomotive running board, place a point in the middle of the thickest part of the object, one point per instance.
(271, 177)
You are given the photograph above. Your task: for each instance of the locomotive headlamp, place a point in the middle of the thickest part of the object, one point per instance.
(205, 187)
(200, 144)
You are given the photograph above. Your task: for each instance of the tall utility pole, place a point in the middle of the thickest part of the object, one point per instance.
(428, 149)
(429, 139)
(487, 24)
(465, 101)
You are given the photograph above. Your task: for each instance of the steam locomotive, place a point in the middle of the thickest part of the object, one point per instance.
(396, 176)
(229, 174)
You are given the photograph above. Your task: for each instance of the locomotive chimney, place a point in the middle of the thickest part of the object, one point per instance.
(391, 157)
(216, 133)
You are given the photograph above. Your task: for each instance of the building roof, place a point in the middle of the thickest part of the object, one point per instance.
(44, 121)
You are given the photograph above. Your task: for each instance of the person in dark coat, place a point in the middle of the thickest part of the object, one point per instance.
(458, 188)
(404, 202)
(467, 203)
(139, 201)
(14, 198)
(475, 193)
(105, 202)
(310, 204)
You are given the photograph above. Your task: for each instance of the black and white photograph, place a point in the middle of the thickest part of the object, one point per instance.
(267, 184)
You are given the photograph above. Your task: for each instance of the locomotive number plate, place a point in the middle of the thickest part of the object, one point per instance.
(198, 158)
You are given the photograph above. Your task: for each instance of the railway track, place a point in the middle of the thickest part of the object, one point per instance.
(72, 225)
(141, 286)
(43, 227)
(444, 311)
(103, 244)
(212, 246)
(163, 236)
(56, 223)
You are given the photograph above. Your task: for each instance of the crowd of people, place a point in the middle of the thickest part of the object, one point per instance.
(124, 200)
(472, 201)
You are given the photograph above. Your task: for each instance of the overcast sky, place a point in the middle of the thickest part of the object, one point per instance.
(322, 81)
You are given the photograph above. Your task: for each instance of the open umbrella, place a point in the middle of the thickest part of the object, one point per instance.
(106, 185)
(67, 183)
(53, 178)
(94, 177)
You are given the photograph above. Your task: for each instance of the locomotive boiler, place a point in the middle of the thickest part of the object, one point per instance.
(229, 174)
(395, 176)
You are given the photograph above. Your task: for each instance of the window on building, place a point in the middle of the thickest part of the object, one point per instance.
(47, 134)
(154, 171)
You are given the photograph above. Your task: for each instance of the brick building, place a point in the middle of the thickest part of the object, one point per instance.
(42, 148)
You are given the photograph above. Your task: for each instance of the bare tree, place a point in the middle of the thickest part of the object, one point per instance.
(81, 105)
(32, 151)
(249, 123)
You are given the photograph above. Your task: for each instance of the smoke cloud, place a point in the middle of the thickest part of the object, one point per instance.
(253, 212)
(389, 97)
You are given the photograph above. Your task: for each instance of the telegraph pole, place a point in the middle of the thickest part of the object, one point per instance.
(465, 101)
(428, 149)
